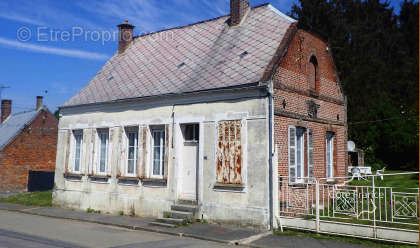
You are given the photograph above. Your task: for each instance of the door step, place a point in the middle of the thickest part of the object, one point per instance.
(180, 214)
(184, 208)
(187, 202)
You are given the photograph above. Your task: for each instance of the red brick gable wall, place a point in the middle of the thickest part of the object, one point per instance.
(292, 96)
(33, 149)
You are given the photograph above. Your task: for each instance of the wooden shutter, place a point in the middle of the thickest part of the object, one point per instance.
(67, 138)
(310, 153)
(166, 153)
(143, 148)
(120, 160)
(139, 152)
(93, 153)
(292, 154)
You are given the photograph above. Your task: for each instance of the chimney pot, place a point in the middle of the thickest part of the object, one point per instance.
(39, 103)
(238, 10)
(125, 35)
(6, 110)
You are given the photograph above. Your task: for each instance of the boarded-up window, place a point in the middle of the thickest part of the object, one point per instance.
(313, 72)
(229, 153)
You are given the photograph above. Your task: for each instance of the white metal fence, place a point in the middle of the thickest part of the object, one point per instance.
(351, 202)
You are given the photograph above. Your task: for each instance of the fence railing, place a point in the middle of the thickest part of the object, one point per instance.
(344, 200)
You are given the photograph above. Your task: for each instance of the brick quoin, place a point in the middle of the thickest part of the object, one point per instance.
(291, 95)
(34, 148)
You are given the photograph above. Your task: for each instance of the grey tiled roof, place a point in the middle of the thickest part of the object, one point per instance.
(13, 125)
(201, 56)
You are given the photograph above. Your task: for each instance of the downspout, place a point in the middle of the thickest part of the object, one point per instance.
(270, 154)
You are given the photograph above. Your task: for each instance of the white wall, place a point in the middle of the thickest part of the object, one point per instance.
(247, 207)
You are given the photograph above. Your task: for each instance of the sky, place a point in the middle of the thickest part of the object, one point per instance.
(53, 48)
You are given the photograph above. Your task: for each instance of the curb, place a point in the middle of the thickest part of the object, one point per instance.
(131, 227)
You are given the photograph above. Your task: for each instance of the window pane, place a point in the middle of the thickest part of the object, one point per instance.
(78, 139)
(299, 155)
(156, 152)
(103, 151)
(130, 166)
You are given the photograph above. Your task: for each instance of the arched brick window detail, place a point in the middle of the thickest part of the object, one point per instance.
(313, 73)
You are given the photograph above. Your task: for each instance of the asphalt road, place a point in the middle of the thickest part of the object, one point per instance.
(29, 231)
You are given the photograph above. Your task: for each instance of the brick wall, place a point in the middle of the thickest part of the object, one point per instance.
(292, 95)
(33, 149)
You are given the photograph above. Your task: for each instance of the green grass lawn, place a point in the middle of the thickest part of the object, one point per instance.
(41, 199)
(365, 242)
(398, 181)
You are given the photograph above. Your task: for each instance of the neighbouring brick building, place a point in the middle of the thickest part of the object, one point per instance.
(201, 120)
(28, 145)
(310, 109)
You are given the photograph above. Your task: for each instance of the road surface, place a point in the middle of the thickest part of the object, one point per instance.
(19, 230)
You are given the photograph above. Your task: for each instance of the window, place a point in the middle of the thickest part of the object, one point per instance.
(313, 73)
(329, 155)
(132, 148)
(158, 145)
(296, 155)
(103, 150)
(229, 153)
(192, 133)
(310, 153)
(77, 153)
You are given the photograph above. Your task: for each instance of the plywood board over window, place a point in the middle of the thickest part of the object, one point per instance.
(229, 153)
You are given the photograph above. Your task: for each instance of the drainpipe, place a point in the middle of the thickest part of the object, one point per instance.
(270, 155)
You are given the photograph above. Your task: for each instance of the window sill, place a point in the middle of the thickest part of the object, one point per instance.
(240, 188)
(128, 181)
(154, 182)
(73, 177)
(99, 178)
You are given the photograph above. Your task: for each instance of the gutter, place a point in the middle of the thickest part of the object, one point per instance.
(270, 154)
(255, 85)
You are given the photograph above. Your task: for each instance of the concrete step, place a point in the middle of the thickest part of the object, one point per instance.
(173, 221)
(187, 202)
(178, 215)
(156, 223)
(184, 208)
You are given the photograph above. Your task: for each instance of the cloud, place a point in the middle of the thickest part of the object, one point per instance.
(21, 18)
(52, 50)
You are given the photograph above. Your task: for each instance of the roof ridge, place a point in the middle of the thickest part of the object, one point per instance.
(194, 23)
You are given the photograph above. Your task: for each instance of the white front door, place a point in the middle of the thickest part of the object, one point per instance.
(189, 162)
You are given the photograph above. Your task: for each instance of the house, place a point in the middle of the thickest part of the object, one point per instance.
(28, 145)
(203, 119)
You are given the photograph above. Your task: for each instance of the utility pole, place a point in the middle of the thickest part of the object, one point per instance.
(2, 87)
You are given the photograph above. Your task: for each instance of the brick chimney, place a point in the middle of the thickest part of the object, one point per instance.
(238, 10)
(6, 109)
(39, 103)
(125, 35)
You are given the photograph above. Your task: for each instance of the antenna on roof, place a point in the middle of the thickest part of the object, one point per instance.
(2, 87)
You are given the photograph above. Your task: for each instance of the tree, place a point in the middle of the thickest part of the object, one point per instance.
(376, 54)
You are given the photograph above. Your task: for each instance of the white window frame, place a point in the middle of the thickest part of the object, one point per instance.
(329, 163)
(162, 152)
(98, 164)
(296, 179)
(128, 131)
(310, 133)
(74, 149)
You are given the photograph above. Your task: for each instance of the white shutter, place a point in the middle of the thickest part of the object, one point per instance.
(310, 153)
(292, 154)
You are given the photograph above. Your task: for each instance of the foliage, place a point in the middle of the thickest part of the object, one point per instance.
(376, 55)
(41, 199)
